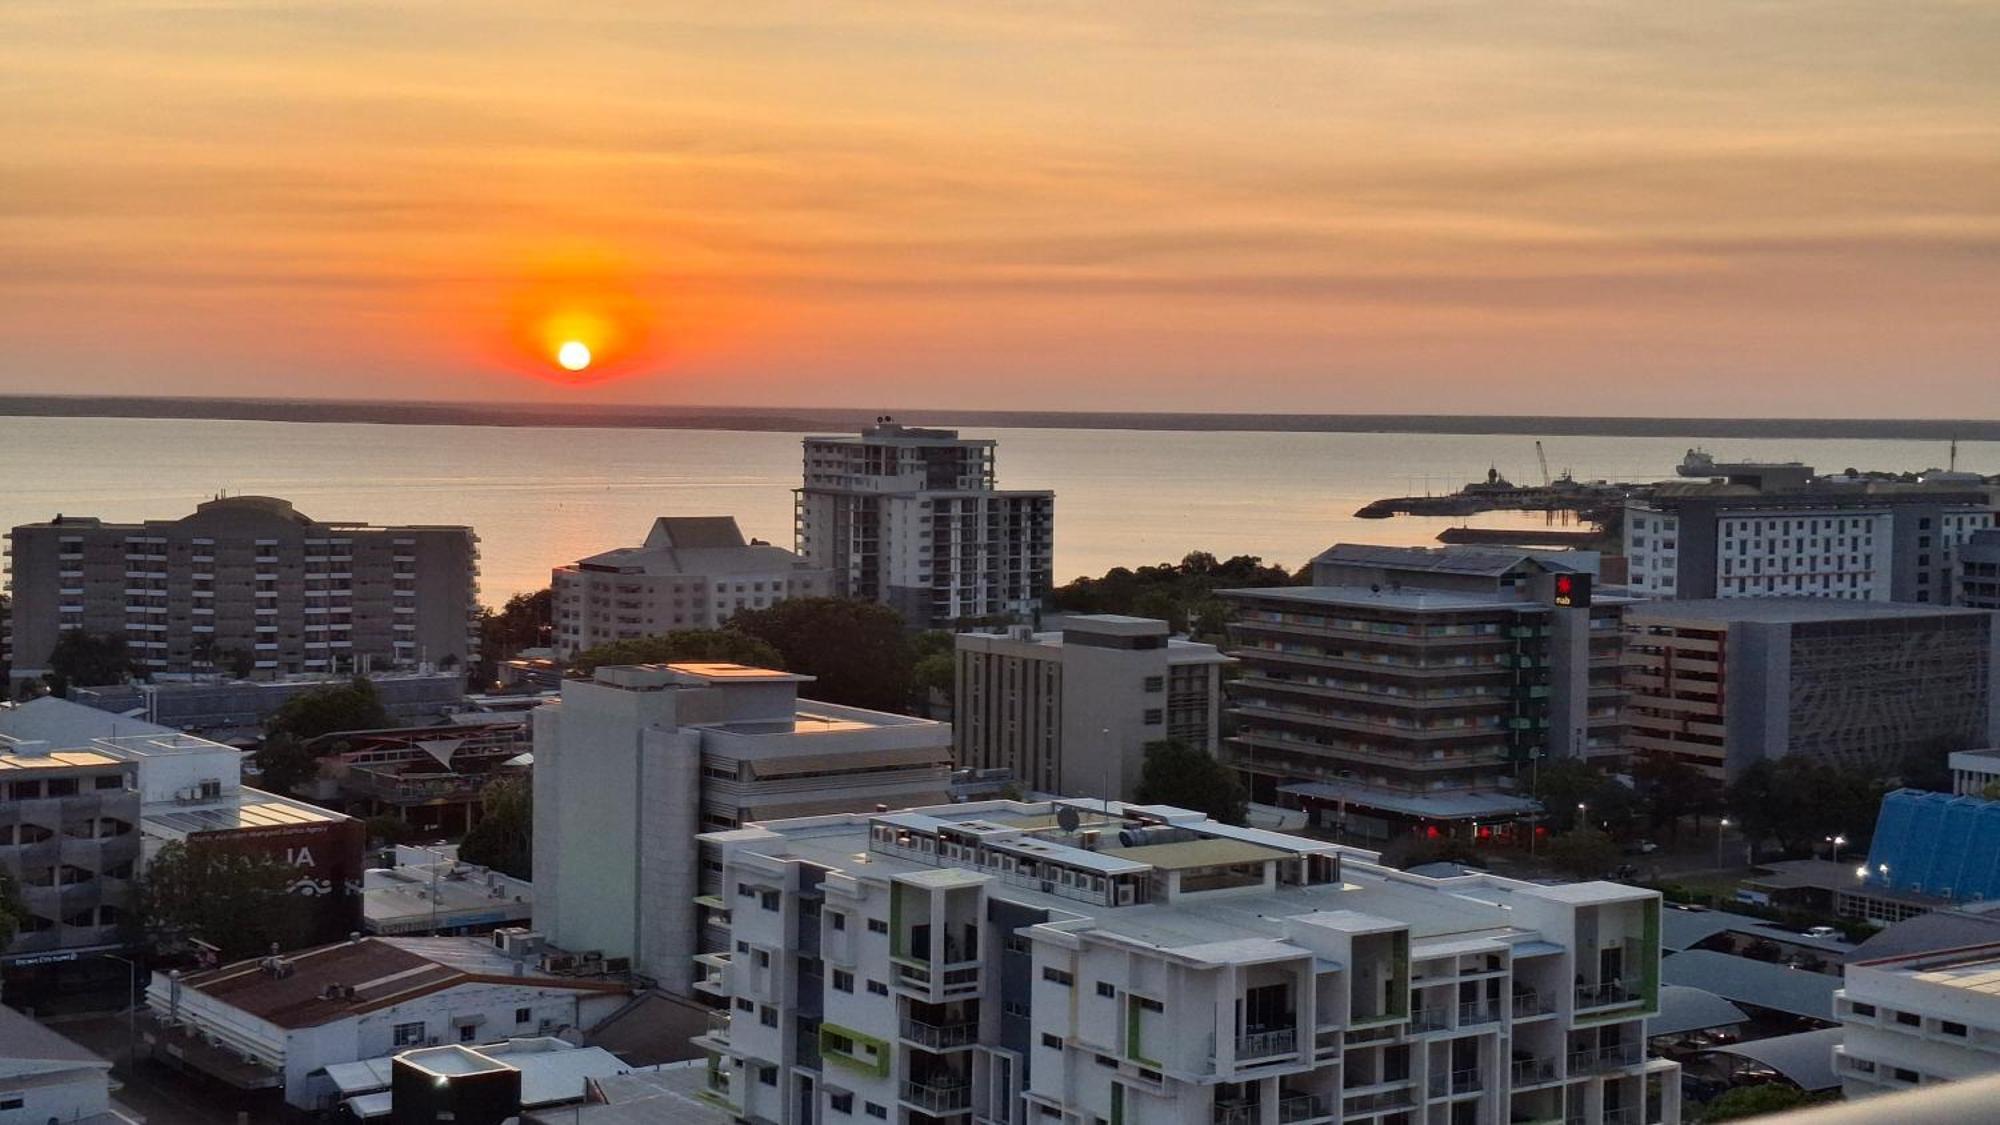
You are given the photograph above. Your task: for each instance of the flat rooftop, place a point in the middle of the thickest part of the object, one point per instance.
(1408, 599)
(247, 808)
(1791, 611)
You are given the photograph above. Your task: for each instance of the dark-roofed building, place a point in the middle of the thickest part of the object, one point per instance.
(692, 572)
(46, 1077)
(279, 1022)
(1937, 929)
(1411, 688)
(1755, 984)
(1803, 1059)
(1686, 1010)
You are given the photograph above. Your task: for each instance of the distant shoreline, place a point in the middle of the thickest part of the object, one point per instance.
(837, 420)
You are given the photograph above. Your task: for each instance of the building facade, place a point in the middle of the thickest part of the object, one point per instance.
(249, 580)
(1721, 683)
(1918, 1020)
(1979, 571)
(914, 519)
(691, 573)
(1072, 711)
(1004, 963)
(1413, 687)
(631, 766)
(69, 836)
(1778, 531)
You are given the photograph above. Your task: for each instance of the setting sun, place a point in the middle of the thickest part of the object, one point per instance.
(574, 355)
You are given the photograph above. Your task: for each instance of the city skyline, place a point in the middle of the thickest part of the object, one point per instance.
(1706, 210)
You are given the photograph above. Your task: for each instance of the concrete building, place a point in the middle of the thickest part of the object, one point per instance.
(45, 1077)
(187, 790)
(431, 778)
(1979, 571)
(914, 519)
(535, 1072)
(692, 572)
(225, 710)
(1973, 770)
(278, 1023)
(1757, 530)
(1918, 1020)
(1072, 711)
(69, 836)
(249, 575)
(1721, 683)
(1004, 963)
(632, 765)
(427, 890)
(1413, 688)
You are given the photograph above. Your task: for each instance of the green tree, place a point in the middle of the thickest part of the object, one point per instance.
(324, 710)
(504, 838)
(12, 911)
(1798, 802)
(1755, 1101)
(284, 765)
(726, 646)
(385, 830)
(1565, 783)
(1185, 776)
(240, 662)
(1584, 853)
(857, 652)
(240, 903)
(1929, 766)
(1180, 593)
(1669, 789)
(81, 659)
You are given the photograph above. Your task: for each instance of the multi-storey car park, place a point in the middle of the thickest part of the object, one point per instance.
(1008, 963)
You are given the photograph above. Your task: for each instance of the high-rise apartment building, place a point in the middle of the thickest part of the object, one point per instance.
(1778, 531)
(1721, 683)
(913, 519)
(1416, 687)
(1979, 571)
(1072, 711)
(692, 572)
(1007, 962)
(630, 766)
(1918, 1020)
(251, 578)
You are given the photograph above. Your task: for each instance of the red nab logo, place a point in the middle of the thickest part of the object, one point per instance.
(1573, 591)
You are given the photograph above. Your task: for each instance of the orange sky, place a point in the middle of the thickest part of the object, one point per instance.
(1693, 208)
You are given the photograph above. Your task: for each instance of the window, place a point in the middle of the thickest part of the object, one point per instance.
(743, 1005)
(62, 787)
(1909, 1019)
(1015, 943)
(1155, 718)
(768, 1016)
(467, 1032)
(1151, 1004)
(1156, 683)
(1950, 1028)
(409, 1034)
(1057, 976)
(767, 1076)
(1905, 1075)
(770, 900)
(839, 921)
(746, 890)
(840, 1102)
(13, 1101)
(877, 988)
(111, 781)
(877, 926)
(1052, 1042)
(1864, 1010)
(878, 1112)
(1104, 988)
(523, 1015)
(843, 981)
(763, 959)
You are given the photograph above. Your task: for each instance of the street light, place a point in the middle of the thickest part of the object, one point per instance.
(1720, 828)
(1835, 843)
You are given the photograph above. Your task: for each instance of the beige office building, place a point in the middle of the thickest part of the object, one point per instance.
(249, 575)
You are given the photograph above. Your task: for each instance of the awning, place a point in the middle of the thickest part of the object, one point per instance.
(1805, 1059)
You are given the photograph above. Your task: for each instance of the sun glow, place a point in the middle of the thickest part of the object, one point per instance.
(573, 355)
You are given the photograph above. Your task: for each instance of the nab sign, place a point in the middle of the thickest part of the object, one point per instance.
(1573, 591)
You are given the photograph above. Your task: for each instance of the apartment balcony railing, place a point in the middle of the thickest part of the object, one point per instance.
(1605, 1058)
(1607, 994)
(938, 1097)
(1477, 1012)
(1530, 1071)
(1267, 1044)
(1531, 1003)
(940, 1036)
(1622, 1115)
(1462, 1081)
(1237, 1113)
(1381, 1099)
(1302, 1107)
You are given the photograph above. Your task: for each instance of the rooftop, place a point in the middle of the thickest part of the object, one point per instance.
(1789, 611)
(694, 545)
(62, 723)
(1761, 984)
(1469, 805)
(28, 1047)
(1456, 559)
(246, 808)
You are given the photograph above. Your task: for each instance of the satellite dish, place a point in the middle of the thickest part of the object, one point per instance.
(1067, 820)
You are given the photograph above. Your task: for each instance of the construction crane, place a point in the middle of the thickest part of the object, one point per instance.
(1544, 459)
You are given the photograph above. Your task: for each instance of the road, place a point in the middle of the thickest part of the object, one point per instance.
(152, 1092)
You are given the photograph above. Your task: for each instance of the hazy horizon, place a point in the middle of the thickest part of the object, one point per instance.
(1709, 210)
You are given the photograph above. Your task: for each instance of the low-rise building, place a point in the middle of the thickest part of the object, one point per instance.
(494, 1082)
(231, 710)
(69, 837)
(692, 572)
(1072, 711)
(1073, 961)
(630, 766)
(1918, 1020)
(1721, 683)
(428, 891)
(278, 1023)
(46, 1077)
(428, 777)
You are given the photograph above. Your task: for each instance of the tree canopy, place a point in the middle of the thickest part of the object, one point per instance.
(12, 911)
(1181, 594)
(1564, 784)
(81, 659)
(523, 622)
(858, 653)
(504, 838)
(324, 710)
(1585, 853)
(1798, 802)
(1185, 776)
(1670, 789)
(716, 645)
(284, 764)
(1755, 1101)
(239, 903)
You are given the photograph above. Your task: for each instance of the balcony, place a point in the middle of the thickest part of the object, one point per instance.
(1528, 1004)
(1462, 1081)
(1267, 1044)
(1303, 1107)
(1608, 994)
(1430, 1019)
(940, 1037)
(1602, 1059)
(938, 1095)
(1477, 1012)
(1533, 1071)
(1375, 1102)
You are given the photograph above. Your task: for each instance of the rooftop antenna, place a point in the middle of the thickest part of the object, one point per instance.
(1954, 455)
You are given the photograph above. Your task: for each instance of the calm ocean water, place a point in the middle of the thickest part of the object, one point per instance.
(542, 497)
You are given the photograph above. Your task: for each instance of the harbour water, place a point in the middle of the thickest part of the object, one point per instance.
(541, 496)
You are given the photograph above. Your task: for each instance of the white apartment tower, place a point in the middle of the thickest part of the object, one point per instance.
(1076, 962)
(1918, 1019)
(911, 518)
(630, 766)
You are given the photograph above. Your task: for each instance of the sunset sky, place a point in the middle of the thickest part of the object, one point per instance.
(1684, 208)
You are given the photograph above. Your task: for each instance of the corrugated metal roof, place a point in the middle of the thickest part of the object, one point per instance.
(1806, 1059)
(1684, 1008)
(1761, 984)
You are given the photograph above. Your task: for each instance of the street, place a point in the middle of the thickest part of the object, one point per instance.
(152, 1092)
